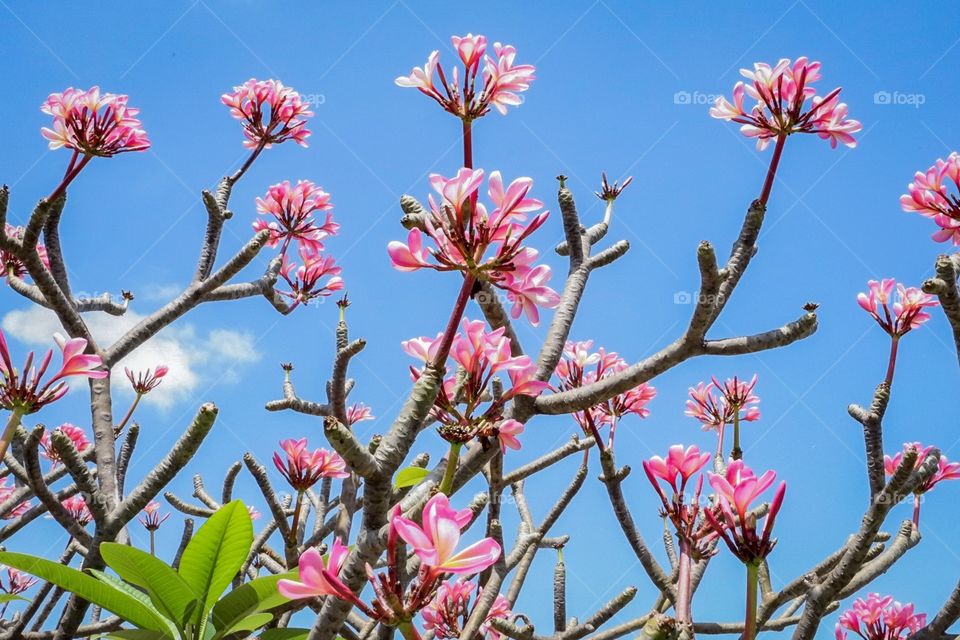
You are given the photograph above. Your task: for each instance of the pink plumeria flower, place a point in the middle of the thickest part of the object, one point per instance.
(17, 581)
(317, 578)
(507, 433)
(76, 506)
(784, 104)
(436, 541)
(679, 464)
(448, 611)
(76, 435)
(946, 470)
(11, 264)
(143, 382)
(897, 316)
(291, 209)
(253, 512)
(498, 84)
(151, 518)
(358, 413)
(270, 112)
(303, 468)
(93, 123)
(929, 196)
(737, 489)
(318, 277)
(880, 618)
(26, 392)
(7, 490)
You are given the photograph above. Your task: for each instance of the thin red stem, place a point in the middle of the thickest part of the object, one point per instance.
(246, 165)
(772, 169)
(682, 606)
(916, 510)
(467, 144)
(73, 170)
(458, 308)
(892, 363)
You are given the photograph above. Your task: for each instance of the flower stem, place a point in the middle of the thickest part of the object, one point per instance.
(682, 606)
(123, 423)
(408, 631)
(12, 423)
(455, 315)
(249, 162)
(467, 143)
(153, 542)
(916, 510)
(892, 363)
(296, 518)
(72, 172)
(736, 453)
(772, 170)
(750, 616)
(453, 460)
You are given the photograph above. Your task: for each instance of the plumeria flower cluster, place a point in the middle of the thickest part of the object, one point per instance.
(448, 612)
(271, 113)
(579, 366)
(303, 468)
(899, 315)
(291, 209)
(434, 541)
(946, 470)
(11, 264)
(143, 382)
(77, 436)
(676, 470)
(92, 123)
(317, 277)
(151, 518)
(359, 412)
(736, 489)
(7, 490)
(880, 618)
(17, 581)
(465, 406)
(717, 404)
(498, 84)
(24, 391)
(485, 244)
(930, 196)
(785, 103)
(77, 507)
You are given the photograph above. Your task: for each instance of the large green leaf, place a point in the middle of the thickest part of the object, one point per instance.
(138, 634)
(409, 477)
(285, 634)
(168, 591)
(88, 588)
(247, 599)
(251, 623)
(216, 552)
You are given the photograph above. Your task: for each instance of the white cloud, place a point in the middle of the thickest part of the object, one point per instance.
(190, 355)
(160, 292)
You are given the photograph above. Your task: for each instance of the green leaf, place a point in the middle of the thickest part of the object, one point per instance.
(88, 588)
(10, 597)
(409, 477)
(138, 634)
(247, 599)
(216, 552)
(251, 623)
(167, 590)
(285, 634)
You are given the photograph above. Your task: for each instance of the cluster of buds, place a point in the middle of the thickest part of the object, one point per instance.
(880, 618)
(270, 112)
(928, 195)
(303, 468)
(576, 369)
(470, 402)
(463, 232)
(93, 123)
(782, 93)
(77, 436)
(143, 382)
(718, 404)
(6, 493)
(26, 392)
(735, 522)
(497, 85)
(448, 612)
(434, 541)
(693, 531)
(906, 311)
(151, 518)
(11, 263)
(946, 470)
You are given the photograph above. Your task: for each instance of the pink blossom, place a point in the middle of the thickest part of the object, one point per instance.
(497, 84)
(7, 491)
(436, 541)
(76, 506)
(716, 404)
(24, 390)
(270, 112)
(448, 612)
(507, 433)
(358, 413)
(680, 462)
(880, 618)
(946, 470)
(781, 94)
(93, 123)
(254, 513)
(317, 578)
(306, 280)
(11, 264)
(292, 209)
(529, 292)
(906, 311)
(76, 435)
(737, 489)
(143, 382)
(929, 196)
(17, 581)
(151, 518)
(303, 468)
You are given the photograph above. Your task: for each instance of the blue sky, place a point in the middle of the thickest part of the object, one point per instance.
(621, 87)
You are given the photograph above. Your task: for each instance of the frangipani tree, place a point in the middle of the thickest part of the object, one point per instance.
(370, 538)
